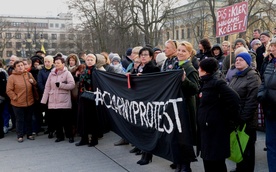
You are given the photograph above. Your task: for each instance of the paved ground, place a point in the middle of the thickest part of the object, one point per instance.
(44, 155)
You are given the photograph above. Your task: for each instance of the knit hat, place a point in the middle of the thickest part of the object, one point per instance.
(266, 33)
(156, 49)
(116, 58)
(246, 57)
(209, 65)
(255, 41)
(129, 51)
(240, 40)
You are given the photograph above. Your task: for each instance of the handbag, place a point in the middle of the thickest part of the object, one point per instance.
(88, 95)
(238, 142)
(34, 90)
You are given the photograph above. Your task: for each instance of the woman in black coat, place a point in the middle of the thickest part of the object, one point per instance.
(246, 83)
(87, 119)
(146, 66)
(218, 104)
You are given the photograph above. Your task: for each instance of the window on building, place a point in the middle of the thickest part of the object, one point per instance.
(177, 34)
(71, 36)
(71, 45)
(54, 36)
(8, 44)
(198, 31)
(0, 35)
(188, 33)
(8, 53)
(54, 45)
(51, 25)
(46, 45)
(56, 25)
(18, 53)
(45, 36)
(8, 35)
(62, 36)
(182, 34)
(18, 45)
(18, 36)
(62, 25)
(168, 35)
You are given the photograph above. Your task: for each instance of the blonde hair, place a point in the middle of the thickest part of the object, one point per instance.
(226, 42)
(91, 55)
(107, 60)
(189, 47)
(136, 49)
(50, 58)
(172, 42)
(240, 50)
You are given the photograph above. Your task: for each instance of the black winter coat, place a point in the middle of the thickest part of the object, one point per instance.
(149, 68)
(246, 85)
(267, 90)
(42, 77)
(218, 104)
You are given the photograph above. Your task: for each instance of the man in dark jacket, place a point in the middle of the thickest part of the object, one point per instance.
(127, 60)
(265, 38)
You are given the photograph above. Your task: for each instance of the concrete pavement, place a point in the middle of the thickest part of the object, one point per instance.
(44, 155)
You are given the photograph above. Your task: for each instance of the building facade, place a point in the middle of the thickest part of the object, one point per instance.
(22, 36)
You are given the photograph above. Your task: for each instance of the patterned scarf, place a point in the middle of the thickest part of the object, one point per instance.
(86, 79)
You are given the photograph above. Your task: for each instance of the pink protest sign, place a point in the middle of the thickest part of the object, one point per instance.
(232, 19)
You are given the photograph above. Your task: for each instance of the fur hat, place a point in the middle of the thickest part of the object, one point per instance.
(116, 58)
(246, 57)
(255, 41)
(240, 40)
(209, 65)
(160, 58)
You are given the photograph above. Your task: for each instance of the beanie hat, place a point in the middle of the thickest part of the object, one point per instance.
(156, 49)
(266, 33)
(240, 40)
(129, 51)
(255, 41)
(209, 65)
(116, 58)
(246, 57)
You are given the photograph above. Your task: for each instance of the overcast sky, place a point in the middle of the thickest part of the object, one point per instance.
(32, 7)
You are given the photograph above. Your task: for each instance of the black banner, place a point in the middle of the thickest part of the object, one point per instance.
(151, 114)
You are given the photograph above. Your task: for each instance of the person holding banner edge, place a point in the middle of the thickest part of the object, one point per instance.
(146, 66)
(190, 88)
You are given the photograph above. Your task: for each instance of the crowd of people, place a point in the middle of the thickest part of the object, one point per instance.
(223, 85)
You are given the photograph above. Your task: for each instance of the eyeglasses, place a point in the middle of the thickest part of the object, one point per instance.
(145, 55)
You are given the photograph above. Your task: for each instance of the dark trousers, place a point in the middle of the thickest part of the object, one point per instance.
(214, 166)
(37, 117)
(63, 120)
(23, 120)
(12, 114)
(2, 106)
(248, 162)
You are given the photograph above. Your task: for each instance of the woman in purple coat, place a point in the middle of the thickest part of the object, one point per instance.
(57, 93)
